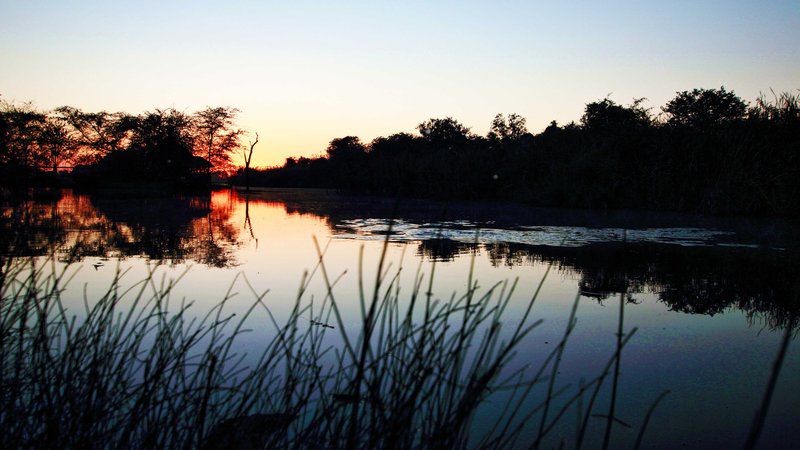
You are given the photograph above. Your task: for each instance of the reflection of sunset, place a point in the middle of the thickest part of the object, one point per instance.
(79, 226)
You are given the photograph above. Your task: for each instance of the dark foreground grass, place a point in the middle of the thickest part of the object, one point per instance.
(137, 370)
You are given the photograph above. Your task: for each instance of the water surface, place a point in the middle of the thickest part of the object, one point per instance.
(710, 297)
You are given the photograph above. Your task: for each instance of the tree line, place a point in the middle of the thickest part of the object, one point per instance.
(706, 150)
(159, 145)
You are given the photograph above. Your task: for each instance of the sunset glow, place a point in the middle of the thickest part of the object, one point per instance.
(303, 73)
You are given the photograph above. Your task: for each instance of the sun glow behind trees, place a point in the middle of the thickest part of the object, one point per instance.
(304, 72)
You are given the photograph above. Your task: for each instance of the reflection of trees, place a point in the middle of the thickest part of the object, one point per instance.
(248, 225)
(169, 228)
(695, 280)
(32, 225)
(443, 249)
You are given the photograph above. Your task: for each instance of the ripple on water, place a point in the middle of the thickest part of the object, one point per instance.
(562, 236)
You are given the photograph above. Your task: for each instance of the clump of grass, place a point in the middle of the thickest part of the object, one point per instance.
(139, 369)
(783, 109)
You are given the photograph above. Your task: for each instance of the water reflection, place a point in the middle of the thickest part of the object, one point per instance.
(693, 264)
(696, 280)
(702, 268)
(73, 226)
(718, 277)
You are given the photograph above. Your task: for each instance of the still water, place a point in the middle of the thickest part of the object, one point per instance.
(710, 298)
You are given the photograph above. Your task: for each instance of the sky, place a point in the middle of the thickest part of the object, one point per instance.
(302, 73)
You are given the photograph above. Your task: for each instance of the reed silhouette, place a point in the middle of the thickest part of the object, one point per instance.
(147, 376)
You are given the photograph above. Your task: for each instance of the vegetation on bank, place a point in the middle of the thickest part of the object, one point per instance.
(156, 147)
(706, 151)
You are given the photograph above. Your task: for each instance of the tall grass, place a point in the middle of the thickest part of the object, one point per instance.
(137, 369)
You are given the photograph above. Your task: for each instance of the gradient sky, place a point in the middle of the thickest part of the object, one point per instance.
(305, 72)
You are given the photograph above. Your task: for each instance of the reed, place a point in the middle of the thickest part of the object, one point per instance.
(138, 369)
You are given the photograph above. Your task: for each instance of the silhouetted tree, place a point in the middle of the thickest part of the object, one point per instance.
(163, 144)
(54, 143)
(19, 127)
(97, 134)
(248, 156)
(346, 148)
(395, 145)
(446, 132)
(504, 129)
(617, 157)
(217, 139)
(705, 108)
(606, 115)
(551, 129)
(160, 149)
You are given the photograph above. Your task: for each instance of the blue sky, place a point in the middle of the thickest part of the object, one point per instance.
(305, 72)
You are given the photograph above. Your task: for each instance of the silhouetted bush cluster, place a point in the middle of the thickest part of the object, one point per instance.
(708, 151)
(158, 146)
